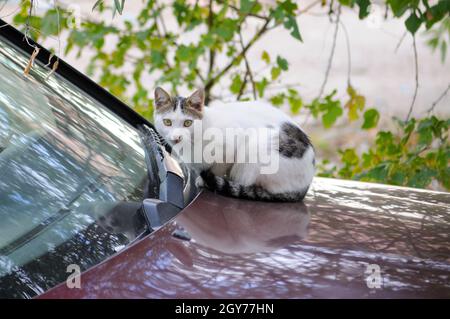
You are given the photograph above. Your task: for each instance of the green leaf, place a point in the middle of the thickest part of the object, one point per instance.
(443, 51)
(265, 57)
(350, 157)
(399, 7)
(119, 5)
(413, 23)
(261, 86)
(348, 3)
(282, 63)
(371, 117)
(247, 6)
(184, 53)
(379, 173)
(363, 8)
(226, 29)
(422, 177)
(331, 115)
(97, 3)
(355, 104)
(275, 72)
(295, 101)
(49, 24)
(236, 84)
(398, 178)
(291, 24)
(277, 100)
(425, 131)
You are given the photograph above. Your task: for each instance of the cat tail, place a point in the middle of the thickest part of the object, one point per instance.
(228, 187)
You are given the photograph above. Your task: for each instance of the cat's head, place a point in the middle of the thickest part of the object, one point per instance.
(175, 117)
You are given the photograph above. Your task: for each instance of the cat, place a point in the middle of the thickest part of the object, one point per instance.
(179, 119)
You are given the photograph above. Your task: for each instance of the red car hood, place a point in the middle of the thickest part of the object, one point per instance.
(348, 239)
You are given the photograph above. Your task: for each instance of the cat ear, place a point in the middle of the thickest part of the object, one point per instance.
(197, 100)
(162, 98)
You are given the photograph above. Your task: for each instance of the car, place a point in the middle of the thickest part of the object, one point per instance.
(94, 205)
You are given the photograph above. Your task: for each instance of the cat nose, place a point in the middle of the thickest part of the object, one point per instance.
(177, 139)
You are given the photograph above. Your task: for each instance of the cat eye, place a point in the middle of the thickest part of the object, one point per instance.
(167, 122)
(187, 123)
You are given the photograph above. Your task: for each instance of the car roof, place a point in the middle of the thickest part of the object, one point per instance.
(348, 239)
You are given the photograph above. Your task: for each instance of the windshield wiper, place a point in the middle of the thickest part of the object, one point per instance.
(163, 170)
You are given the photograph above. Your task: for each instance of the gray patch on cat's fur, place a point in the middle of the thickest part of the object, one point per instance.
(182, 102)
(293, 141)
(178, 101)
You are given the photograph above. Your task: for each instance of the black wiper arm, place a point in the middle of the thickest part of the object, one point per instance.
(169, 176)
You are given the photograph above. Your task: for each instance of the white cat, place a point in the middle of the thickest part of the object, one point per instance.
(177, 119)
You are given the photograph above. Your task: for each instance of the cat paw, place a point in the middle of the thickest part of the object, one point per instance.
(199, 182)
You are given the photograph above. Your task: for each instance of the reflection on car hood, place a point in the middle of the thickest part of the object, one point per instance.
(348, 239)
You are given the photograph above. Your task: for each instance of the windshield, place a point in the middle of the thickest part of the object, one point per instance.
(72, 177)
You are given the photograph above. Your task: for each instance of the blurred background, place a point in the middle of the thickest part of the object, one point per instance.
(368, 80)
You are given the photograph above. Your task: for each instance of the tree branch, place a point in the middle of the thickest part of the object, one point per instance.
(439, 99)
(310, 6)
(213, 80)
(236, 9)
(400, 41)
(333, 47)
(157, 12)
(161, 19)
(212, 53)
(222, 72)
(349, 55)
(244, 84)
(247, 66)
(416, 89)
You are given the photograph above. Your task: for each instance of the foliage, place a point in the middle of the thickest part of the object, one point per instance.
(413, 157)
(439, 38)
(207, 48)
